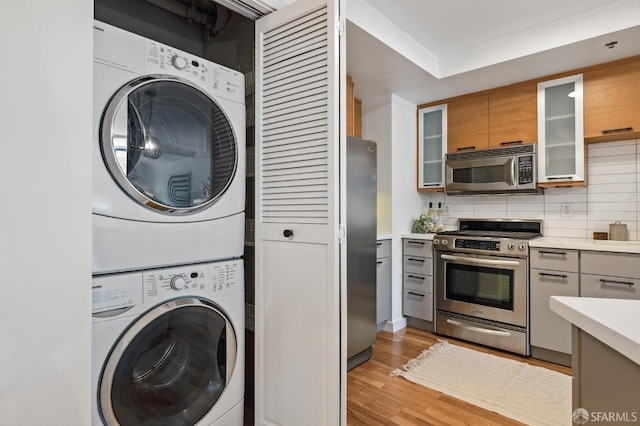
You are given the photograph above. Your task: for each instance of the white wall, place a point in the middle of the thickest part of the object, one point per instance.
(613, 193)
(376, 126)
(391, 122)
(45, 233)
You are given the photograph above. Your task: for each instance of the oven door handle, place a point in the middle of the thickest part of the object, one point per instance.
(477, 261)
(478, 329)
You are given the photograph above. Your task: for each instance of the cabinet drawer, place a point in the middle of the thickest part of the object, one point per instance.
(609, 287)
(383, 248)
(548, 329)
(411, 247)
(613, 264)
(554, 259)
(418, 305)
(418, 265)
(383, 289)
(418, 282)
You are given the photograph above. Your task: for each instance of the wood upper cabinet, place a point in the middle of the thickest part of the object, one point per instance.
(468, 127)
(513, 115)
(354, 111)
(612, 102)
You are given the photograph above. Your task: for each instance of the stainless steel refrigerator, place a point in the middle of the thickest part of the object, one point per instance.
(361, 250)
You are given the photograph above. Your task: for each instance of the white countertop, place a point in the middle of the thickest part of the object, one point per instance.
(383, 237)
(419, 236)
(612, 321)
(586, 244)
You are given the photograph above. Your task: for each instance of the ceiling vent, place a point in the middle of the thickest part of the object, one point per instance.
(252, 9)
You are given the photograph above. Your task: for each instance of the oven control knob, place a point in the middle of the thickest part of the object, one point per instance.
(511, 246)
(444, 242)
(522, 247)
(436, 242)
(178, 282)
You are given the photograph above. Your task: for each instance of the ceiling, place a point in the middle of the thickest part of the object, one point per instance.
(426, 50)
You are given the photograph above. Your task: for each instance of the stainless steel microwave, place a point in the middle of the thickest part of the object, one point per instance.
(493, 171)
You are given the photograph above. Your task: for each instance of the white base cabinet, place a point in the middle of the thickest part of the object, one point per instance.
(383, 281)
(610, 275)
(417, 283)
(572, 272)
(553, 273)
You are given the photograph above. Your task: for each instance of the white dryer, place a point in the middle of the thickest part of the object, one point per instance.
(168, 346)
(169, 155)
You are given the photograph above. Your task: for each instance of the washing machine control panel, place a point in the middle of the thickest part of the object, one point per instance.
(207, 280)
(127, 290)
(217, 79)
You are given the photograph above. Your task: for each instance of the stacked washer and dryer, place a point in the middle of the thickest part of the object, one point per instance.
(168, 235)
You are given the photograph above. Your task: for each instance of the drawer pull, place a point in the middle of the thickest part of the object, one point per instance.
(415, 294)
(379, 262)
(619, 130)
(559, 253)
(604, 281)
(545, 274)
(378, 244)
(413, 259)
(431, 184)
(416, 277)
(510, 143)
(466, 148)
(415, 242)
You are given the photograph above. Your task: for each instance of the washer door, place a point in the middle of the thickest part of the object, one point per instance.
(168, 144)
(169, 367)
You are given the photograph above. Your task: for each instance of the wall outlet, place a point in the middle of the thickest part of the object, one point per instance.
(566, 209)
(447, 210)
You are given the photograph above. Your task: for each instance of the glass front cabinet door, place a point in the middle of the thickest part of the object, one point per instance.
(561, 132)
(432, 145)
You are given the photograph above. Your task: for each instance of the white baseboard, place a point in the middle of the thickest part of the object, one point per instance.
(395, 325)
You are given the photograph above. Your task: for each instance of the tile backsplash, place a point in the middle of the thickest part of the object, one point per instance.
(612, 194)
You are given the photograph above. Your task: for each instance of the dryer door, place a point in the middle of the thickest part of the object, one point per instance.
(169, 367)
(168, 144)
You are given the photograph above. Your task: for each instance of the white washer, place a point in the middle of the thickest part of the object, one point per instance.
(168, 346)
(169, 155)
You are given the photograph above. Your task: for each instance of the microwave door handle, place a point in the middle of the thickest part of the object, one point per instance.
(477, 261)
(511, 164)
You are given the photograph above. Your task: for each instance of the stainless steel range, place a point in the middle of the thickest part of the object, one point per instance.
(482, 283)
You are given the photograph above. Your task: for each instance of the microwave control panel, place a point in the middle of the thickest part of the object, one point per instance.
(525, 169)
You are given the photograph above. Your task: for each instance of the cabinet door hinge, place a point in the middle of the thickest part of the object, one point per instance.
(341, 24)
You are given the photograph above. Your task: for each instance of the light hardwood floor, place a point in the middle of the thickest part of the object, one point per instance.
(375, 398)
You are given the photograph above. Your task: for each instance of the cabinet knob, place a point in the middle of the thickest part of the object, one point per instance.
(288, 233)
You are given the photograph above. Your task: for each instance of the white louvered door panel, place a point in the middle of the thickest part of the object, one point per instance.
(299, 374)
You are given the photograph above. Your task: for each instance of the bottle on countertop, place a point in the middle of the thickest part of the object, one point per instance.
(439, 218)
(430, 211)
(431, 221)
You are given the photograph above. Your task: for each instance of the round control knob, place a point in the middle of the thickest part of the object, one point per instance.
(522, 247)
(436, 242)
(511, 246)
(178, 282)
(179, 62)
(444, 242)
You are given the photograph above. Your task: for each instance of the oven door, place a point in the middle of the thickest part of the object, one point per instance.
(488, 287)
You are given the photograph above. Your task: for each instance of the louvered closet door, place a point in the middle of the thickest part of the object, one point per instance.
(298, 133)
